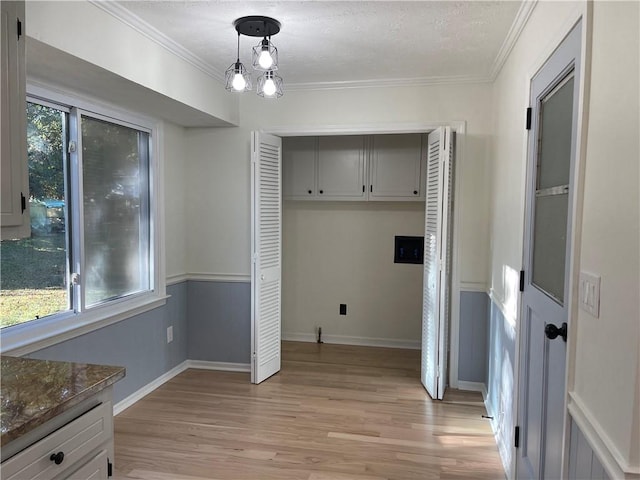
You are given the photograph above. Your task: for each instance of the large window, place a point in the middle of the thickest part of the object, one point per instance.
(92, 227)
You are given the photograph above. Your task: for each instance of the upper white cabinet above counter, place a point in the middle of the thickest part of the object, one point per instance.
(354, 167)
(14, 215)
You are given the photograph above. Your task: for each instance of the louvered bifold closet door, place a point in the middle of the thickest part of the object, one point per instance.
(266, 247)
(436, 278)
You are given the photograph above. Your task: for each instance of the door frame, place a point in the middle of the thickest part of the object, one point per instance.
(583, 13)
(460, 128)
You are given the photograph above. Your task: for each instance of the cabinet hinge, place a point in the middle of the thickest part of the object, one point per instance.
(516, 437)
(109, 468)
(522, 280)
(529, 118)
(23, 202)
(19, 29)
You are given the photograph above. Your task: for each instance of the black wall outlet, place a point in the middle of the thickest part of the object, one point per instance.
(343, 309)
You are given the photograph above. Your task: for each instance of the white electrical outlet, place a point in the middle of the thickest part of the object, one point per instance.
(170, 334)
(589, 294)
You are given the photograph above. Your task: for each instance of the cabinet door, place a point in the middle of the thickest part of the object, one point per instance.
(14, 219)
(396, 167)
(299, 155)
(341, 168)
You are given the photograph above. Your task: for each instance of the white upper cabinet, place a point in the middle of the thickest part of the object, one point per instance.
(341, 167)
(299, 164)
(396, 167)
(355, 167)
(14, 193)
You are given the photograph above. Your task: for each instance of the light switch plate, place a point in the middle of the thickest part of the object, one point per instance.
(589, 294)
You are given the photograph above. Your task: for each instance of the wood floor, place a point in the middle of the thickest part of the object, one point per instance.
(333, 413)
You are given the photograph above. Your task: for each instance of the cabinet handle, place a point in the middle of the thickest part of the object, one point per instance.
(57, 458)
(415, 192)
(321, 192)
(310, 192)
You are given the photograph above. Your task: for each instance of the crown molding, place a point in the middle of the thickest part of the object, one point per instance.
(130, 19)
(390, 82)
(510, 40)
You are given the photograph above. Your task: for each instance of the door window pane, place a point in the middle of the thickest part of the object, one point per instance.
(556, 111)
(34, 270)
(115, 163)
(550, 243)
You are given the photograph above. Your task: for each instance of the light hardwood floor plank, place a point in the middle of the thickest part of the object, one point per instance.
(333, 412)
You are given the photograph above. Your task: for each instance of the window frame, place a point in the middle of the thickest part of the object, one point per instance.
(34, 335)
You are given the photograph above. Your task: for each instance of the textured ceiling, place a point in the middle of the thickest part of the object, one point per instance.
(323, 43)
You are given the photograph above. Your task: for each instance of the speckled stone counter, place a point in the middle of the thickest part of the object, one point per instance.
(35, 391)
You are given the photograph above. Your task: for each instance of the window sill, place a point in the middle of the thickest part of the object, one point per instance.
(29, 337)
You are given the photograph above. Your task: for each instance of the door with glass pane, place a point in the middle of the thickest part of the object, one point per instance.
(547, 253)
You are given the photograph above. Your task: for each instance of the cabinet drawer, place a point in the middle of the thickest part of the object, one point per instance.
(94, 469)
(75, 440)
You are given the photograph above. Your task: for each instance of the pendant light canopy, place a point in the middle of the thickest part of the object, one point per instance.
(264, 58)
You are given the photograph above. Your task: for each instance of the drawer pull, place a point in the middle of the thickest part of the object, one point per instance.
(57, 458)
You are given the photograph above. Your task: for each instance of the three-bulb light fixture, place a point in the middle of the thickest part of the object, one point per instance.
(264, 58)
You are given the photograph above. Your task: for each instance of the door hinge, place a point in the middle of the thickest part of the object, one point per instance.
(23, 202)
(19, 25)
(516, 437)
(529, 111)
(522, 280)
(109, 468)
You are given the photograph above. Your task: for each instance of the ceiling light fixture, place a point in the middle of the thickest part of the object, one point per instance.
(237, 78)
(264, 58)
(270, 85)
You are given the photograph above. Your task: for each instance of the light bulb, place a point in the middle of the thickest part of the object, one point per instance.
(265, 60)
(239, 83)
(269, 87)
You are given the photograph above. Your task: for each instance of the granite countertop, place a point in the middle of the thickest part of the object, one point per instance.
(35, 391)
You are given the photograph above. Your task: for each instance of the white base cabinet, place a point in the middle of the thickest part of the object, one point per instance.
(76, 445)
(355, 168)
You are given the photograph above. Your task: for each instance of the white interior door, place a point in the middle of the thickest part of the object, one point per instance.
(547, 254)
(437, 261)
(266, 253)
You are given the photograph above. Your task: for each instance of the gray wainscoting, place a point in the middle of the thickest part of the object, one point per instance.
(219, 319)
(500, 379)
(472, 347)
(583, 462)
(138, 343)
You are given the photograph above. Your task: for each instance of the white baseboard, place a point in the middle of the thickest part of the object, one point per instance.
(197, 364)
(148, 388)
(610, 457)
(222, 366)
(360, 341)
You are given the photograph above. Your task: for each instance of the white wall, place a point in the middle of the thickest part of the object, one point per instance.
(89, 33)
(219, 165)
(342, 252)
(174, 200)
(508, 159)
(607, 350)
(606, 356)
